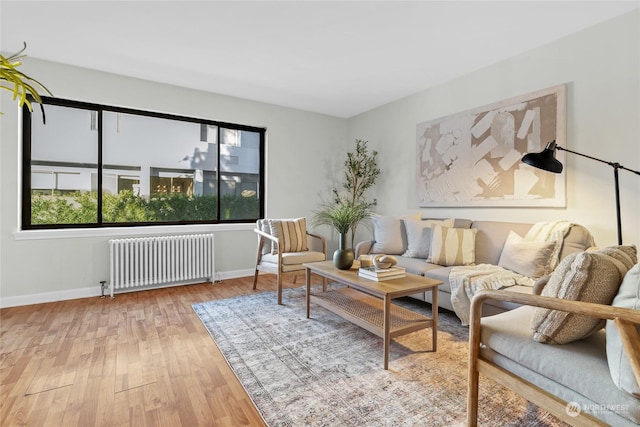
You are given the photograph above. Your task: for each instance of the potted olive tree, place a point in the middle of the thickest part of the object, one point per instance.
(349, 206)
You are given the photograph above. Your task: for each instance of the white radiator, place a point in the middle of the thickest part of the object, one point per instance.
(160, 260)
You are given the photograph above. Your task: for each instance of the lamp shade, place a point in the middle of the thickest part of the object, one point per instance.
(545, 160)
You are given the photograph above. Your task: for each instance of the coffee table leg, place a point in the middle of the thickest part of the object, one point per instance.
(387, 330)
(434, 316)
(308, 277)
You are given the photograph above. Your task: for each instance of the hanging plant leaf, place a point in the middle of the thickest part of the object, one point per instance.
(20, 84)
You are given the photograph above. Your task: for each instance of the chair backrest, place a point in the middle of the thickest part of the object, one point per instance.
(263, 225)
(291, 233)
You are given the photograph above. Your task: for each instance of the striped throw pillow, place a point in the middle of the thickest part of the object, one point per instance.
(292, 234)
(453, 246)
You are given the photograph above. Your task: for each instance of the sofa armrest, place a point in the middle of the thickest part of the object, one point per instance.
(363, 248)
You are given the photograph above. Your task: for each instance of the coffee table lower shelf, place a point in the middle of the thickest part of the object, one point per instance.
(368, 312)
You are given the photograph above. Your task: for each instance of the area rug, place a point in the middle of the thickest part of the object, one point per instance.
(325, 371)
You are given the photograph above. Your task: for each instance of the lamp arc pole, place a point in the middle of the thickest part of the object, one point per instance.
(546, 160)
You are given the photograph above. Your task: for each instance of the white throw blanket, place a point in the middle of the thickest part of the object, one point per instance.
(549, 232)
(466, 281)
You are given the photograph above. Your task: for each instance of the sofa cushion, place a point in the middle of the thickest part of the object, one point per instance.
(491, 237)
(295, 258)
(419, 234)
(584, 276)
(529, 258)
(580, 365)
(292, 234)
(619, 365)
(389, 234)
(452, 246)
(442, 274)
(416, 265)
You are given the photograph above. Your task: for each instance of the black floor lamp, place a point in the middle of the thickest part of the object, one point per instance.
(546, 160)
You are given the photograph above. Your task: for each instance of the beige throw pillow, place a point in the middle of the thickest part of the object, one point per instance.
(453, 246)
(389, 234)
(619, 365)
(529, 258)
(292, 234)
(419, 235)
(582, 276)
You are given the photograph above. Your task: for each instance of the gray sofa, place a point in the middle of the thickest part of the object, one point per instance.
(489, 242)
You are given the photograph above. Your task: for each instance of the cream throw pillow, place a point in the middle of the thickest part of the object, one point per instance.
(582, 276)
(389, 234)
(419, 235)
(453, 246)
(529, 258)
(619, 364)
(292, 234)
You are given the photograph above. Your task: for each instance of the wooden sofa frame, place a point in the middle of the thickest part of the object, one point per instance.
(625, 319)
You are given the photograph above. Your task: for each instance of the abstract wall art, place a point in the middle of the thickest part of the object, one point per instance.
(472, 159)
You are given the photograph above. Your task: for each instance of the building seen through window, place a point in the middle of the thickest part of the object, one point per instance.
(137, 168)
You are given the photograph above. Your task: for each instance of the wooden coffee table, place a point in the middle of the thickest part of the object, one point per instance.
(367, 303)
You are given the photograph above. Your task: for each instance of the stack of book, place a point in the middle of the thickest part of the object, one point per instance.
(379, 274)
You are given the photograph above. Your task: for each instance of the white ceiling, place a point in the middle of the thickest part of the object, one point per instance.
(339, 58)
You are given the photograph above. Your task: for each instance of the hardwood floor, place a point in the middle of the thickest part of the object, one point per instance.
(141, 359)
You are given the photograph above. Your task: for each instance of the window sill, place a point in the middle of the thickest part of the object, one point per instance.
(76, 233)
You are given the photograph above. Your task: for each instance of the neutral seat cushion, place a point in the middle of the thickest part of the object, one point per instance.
(580, 365)
(292, 261)
(416, 265)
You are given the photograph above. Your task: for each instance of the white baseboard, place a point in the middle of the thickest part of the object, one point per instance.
(44, 297)
(93, 291)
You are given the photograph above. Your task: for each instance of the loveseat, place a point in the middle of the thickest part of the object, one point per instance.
(409, 239)
(553, 351)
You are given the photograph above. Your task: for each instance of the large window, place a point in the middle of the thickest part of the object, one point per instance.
(92, 166)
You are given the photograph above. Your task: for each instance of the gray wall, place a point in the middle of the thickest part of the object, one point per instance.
(302, 149)
(601, 67)
(305, 151)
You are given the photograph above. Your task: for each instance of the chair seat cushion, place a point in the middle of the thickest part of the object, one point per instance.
(580, 365)
(292, 258)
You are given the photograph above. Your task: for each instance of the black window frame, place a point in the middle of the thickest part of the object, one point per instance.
(100, 108)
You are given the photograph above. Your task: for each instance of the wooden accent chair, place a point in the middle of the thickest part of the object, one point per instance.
(626, 320)
(283, 246)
